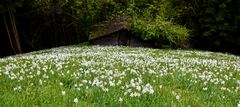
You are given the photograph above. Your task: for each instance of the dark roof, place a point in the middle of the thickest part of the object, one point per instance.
(109, 27)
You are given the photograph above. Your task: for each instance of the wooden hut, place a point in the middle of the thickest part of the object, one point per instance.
(116, 33)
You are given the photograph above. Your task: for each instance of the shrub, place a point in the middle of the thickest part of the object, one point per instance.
(153, 22)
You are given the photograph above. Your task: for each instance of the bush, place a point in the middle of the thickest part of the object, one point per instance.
(153, 22)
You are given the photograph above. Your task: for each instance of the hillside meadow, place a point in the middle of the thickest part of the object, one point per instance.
(86, 76)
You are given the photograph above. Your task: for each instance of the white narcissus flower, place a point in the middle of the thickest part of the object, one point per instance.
(63, 93)
(75, 100)
(40, 82)
(160, 86)
(138, 87)
(177, 97)
(38, 72)
(105, 89)
(148, 88)
(131, 95)
(238, 104)
(20, 78)
(120, 99)
(17, 88)
(111, 83)
(205, 89)
(45, 76)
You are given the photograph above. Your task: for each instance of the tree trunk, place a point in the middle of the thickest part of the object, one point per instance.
(12, 32)
(54, 35)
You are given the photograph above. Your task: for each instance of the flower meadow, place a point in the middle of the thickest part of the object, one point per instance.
(120, 76)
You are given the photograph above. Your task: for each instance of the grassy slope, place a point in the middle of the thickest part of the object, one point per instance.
(119, 76)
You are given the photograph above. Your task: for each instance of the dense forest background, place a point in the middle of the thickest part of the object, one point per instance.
(28, 25)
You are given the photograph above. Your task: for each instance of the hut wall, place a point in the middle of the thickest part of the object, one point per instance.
(136, 42)
(106, 40)
(123, 38)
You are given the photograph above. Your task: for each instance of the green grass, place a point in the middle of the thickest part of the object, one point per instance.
(120, 76)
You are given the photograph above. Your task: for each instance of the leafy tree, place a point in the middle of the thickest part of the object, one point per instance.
(215, 24)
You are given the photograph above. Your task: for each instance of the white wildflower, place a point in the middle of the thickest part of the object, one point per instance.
(63, 93)
(80, 85)
(105, 89)
(148, 88)
(17, 88)
(75, 100)
(223, 82)
(119, 82)
(137, 94)
(38, 72)
(125, 93)
(174, 93)
(45, 76)
(20, 78)
(177, 97)
(84, 81)
(75, 85)
(40, 82)
(120, 99)
(132, 95)
(160, 86)
(138, 87)
(111, 83)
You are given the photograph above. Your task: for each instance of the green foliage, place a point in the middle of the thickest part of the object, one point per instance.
(216, 23)
(154, 22)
